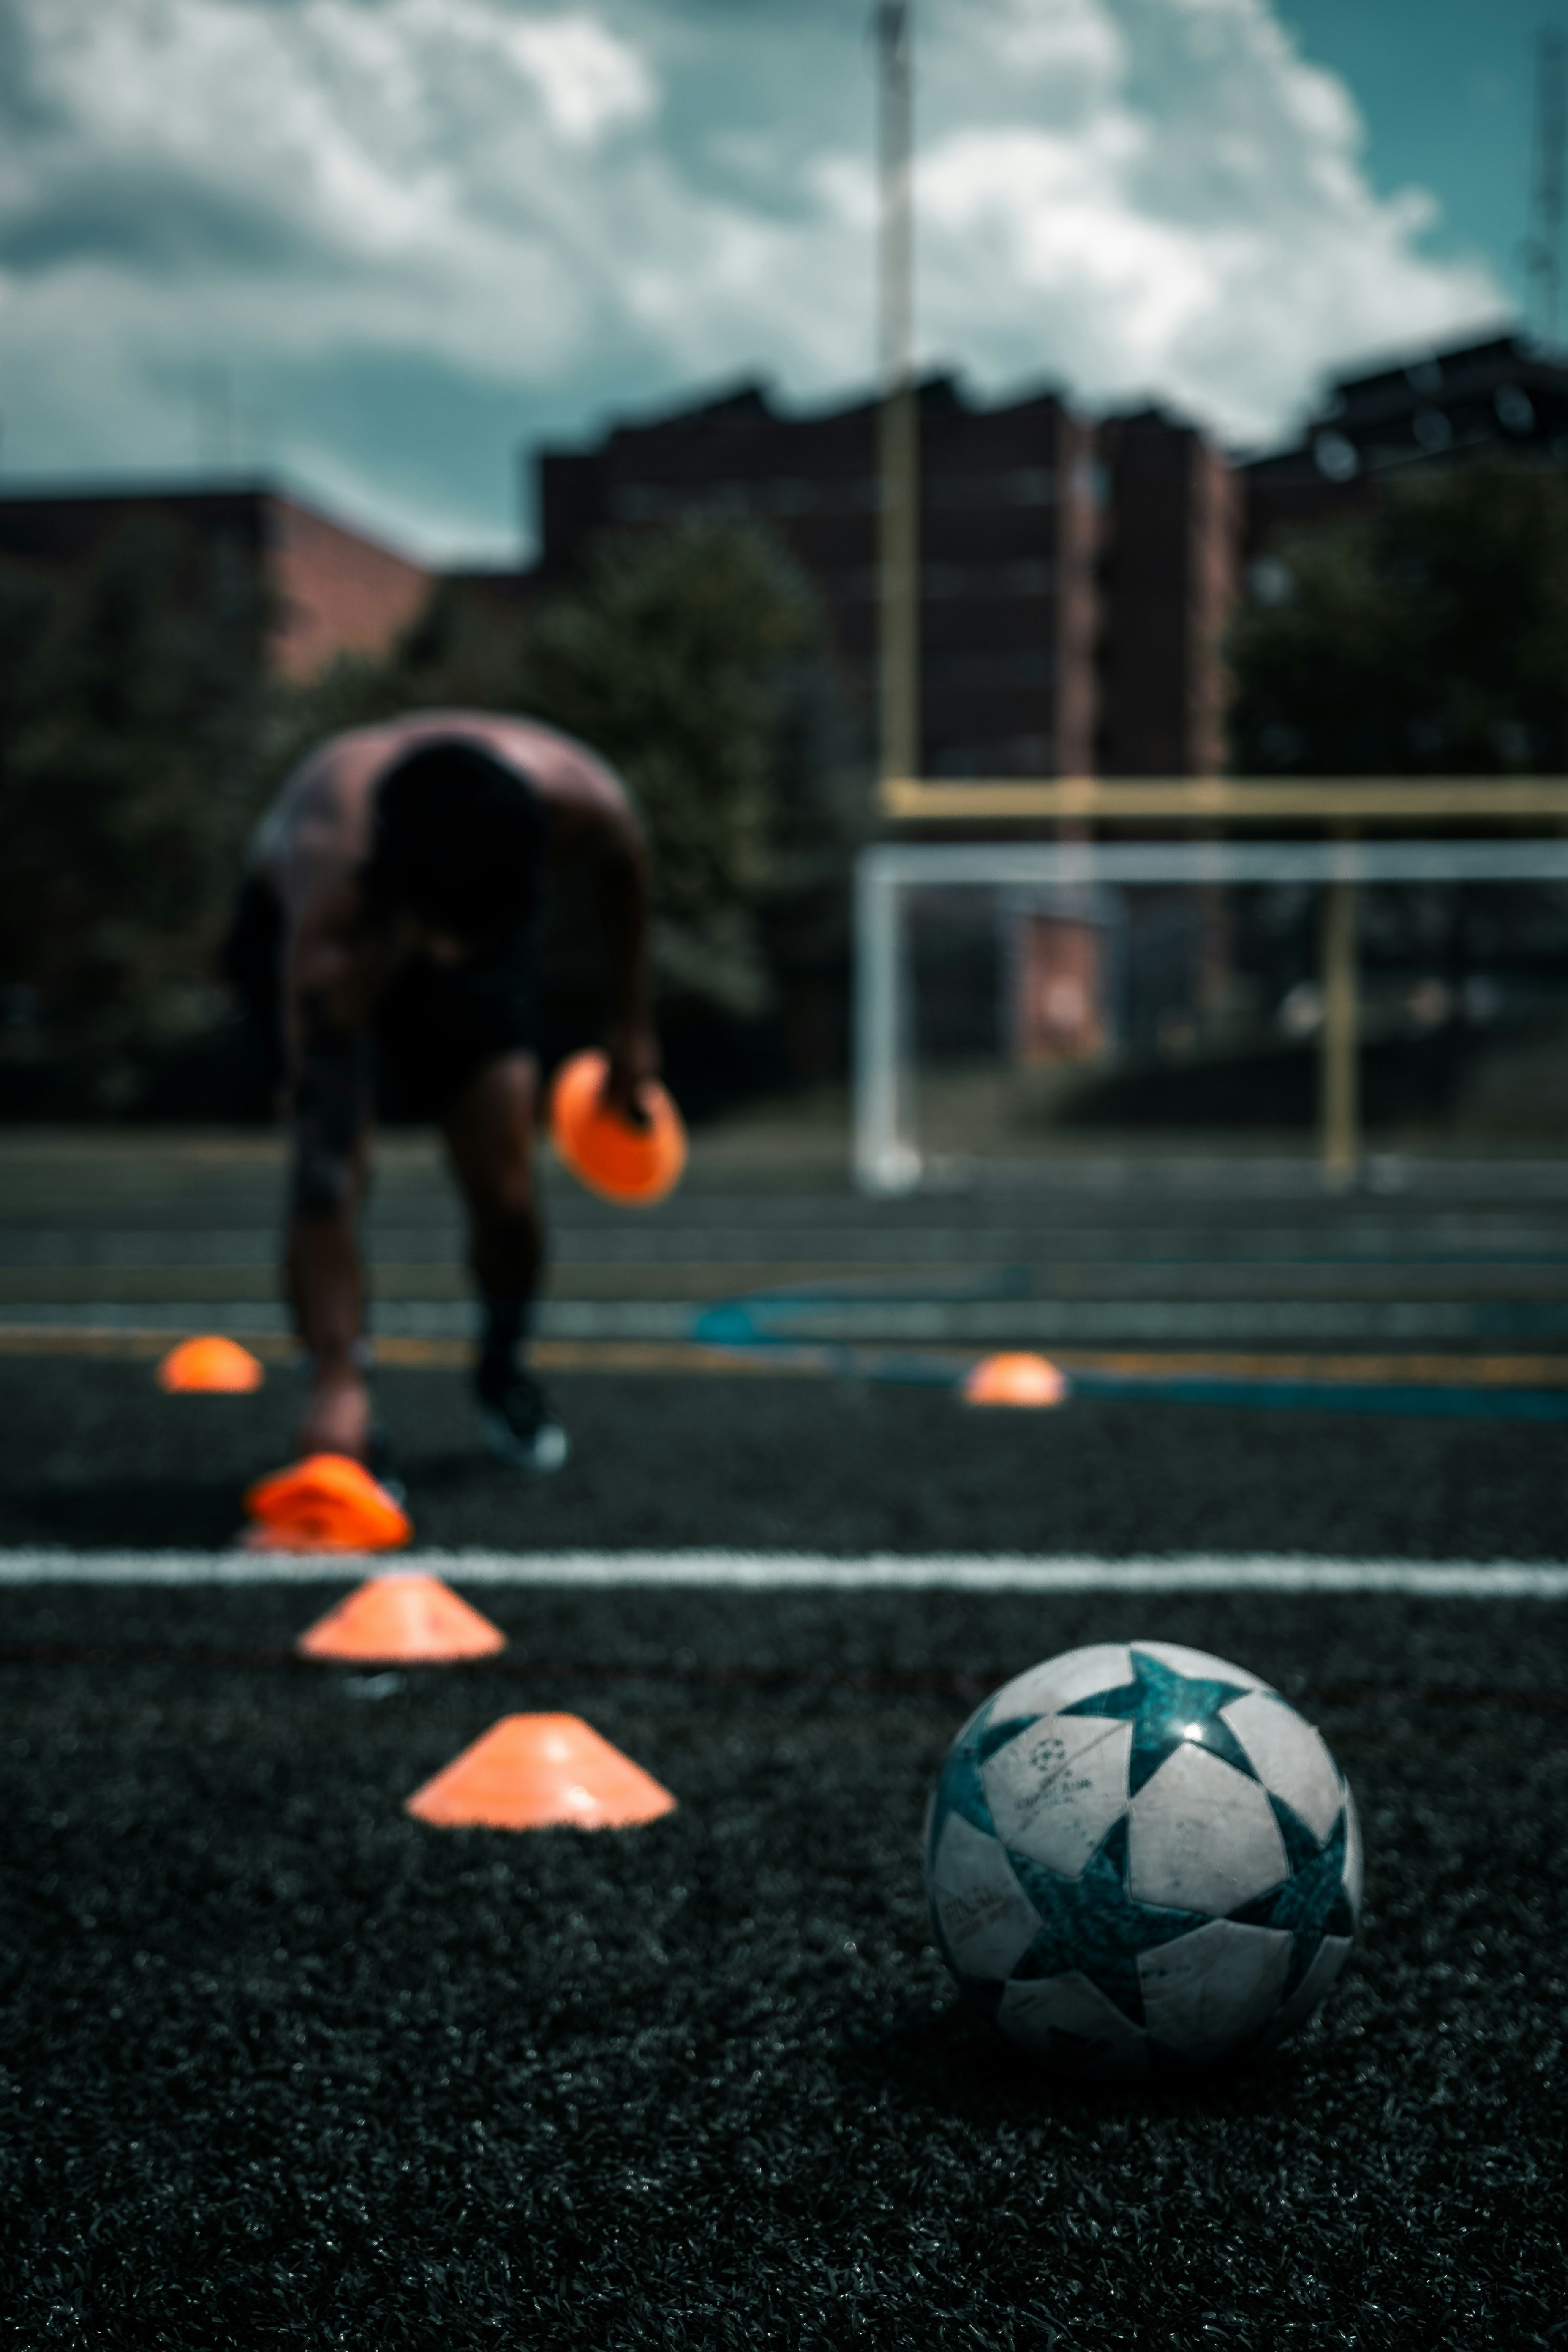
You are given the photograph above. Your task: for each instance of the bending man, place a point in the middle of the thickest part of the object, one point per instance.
(391, 899)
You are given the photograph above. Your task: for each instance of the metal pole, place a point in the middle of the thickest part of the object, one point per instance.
(1544, 250)
(885, 1159)
(1339, 1062)
(898, 435)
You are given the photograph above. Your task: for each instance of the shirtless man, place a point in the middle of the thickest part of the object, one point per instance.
(391, 897)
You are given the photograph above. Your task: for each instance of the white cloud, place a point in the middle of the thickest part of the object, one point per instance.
(1064, 38)
(1201, 227)
(588, 208)
(589, 80)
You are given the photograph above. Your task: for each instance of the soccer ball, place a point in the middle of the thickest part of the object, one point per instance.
(1138, 1855)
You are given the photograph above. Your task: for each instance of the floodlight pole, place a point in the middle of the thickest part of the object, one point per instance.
(897, 436)
(1544, 250)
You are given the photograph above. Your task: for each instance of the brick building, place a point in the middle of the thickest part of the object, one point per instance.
(1435, 409)
(1169, 544)
(330, 590)
(1074, 577)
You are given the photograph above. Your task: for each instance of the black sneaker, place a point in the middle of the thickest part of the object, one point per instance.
(519, 1427)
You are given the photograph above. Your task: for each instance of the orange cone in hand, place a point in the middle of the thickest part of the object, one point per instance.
(219, 1366)
(328, 1502)
(540, 1772)
(402, 1619)
(1015, 1380)
(611, 1155)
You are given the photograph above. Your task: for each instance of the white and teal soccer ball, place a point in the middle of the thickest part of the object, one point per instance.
(1139, 1854)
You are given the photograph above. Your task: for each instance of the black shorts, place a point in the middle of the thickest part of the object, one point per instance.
(440, 1025)
(437, 1025)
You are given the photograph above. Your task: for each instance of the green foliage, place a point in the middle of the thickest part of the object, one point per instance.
(140, 737)
(131, 702)
(1424, 636)
(668, 659)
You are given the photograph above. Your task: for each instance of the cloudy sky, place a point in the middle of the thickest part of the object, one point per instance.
(376, 245)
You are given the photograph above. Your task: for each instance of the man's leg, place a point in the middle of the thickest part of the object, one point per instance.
(326, 1287)
(326, 1290)
(489, 1132)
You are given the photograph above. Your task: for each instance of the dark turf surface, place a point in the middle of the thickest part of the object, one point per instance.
(93, 1454)
(280, 2067)
(283, 2067)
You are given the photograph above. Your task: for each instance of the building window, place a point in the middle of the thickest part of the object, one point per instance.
(1092, 484)
(988, 672)
(789, 498)
(1336, 458)
(658, 501)
(642, 501)
(1024, 486)
(852, 587)
(985, 579)
(1019, 755)
(1515, 408)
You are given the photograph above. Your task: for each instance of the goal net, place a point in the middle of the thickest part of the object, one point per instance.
(1011, 996)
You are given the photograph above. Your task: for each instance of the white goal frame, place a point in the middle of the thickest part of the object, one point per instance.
(886, 1157)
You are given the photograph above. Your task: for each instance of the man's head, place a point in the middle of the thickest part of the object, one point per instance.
(456, 843)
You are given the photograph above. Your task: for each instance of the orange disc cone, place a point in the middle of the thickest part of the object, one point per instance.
(540, 1772)
(1015, 1380)
(401, 1620)
(220, 1366)
(328, 1502)
(632, 1165)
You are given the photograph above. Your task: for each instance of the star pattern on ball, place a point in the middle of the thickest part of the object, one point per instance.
(961, 1790)
(1167, 1710)
(1093, 1924)
(1312, 1903)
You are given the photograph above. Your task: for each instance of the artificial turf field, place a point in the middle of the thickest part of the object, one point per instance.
(282, 2067)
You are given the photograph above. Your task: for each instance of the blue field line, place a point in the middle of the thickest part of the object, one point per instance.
(1481, 1319)
(732, 1326)
(1422, 1402)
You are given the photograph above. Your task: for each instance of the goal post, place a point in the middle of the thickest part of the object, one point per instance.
(888, 1157)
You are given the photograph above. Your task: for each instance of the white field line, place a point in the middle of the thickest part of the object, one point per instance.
(784, 1571)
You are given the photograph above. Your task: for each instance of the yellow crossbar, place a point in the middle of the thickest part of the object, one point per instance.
(1250, 800)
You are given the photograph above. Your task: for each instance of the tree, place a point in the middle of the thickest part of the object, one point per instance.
(1425, 635)
(692, 659)
(131, 705)
(140, 736)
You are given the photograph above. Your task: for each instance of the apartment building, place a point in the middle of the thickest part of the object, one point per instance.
(1435, 408)
(1073, 576)
(331, 590)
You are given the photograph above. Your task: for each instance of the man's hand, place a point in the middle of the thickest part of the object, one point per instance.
(632, 1050)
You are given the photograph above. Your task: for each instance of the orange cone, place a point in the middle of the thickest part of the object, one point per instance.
(402, 1619)
(219, 1366)
(1015, 1380)
(632, 1165)
(540, 1772)
(328, 1502)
